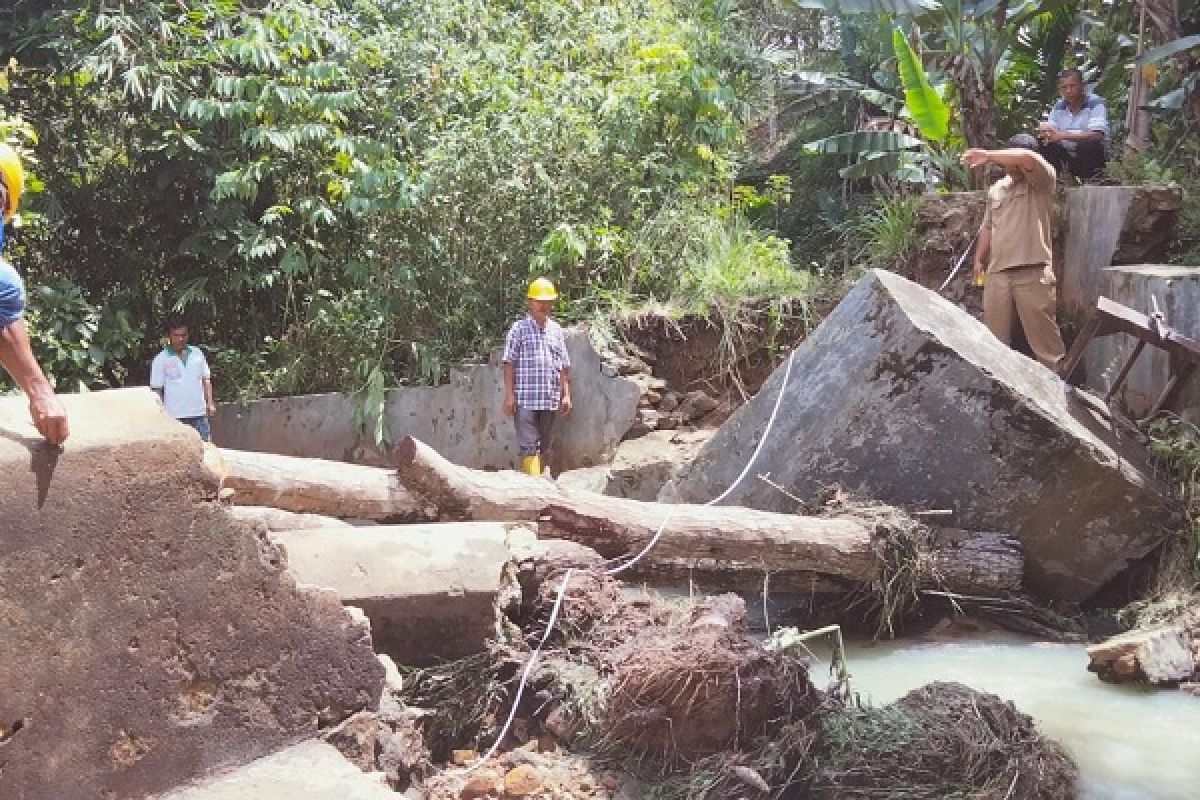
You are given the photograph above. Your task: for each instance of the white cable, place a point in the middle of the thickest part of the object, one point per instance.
(787, 374)
(562, 588)
(533, 657)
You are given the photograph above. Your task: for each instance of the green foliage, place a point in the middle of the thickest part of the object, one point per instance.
(905, 7)
(1175, 443)
(1135, 169)
(349, 194)
(80, 343)
(885, 234)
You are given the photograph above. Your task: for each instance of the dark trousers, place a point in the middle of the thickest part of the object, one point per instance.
(1085, 163)
(534, 431)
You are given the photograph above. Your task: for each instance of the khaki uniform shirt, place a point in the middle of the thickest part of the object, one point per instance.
(1018, 214)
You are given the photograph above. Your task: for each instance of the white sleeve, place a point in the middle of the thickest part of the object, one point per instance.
(156, 372)
(205, 372)
(1098, 121)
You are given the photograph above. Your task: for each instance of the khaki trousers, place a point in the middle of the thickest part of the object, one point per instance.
(1026, 293)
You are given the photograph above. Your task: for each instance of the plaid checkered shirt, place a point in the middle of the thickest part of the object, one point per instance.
(538, 356)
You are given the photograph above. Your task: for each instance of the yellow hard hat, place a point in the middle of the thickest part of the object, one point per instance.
(13, 176)
(542, 289)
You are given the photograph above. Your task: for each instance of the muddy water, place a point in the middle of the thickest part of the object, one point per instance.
(1130, 744)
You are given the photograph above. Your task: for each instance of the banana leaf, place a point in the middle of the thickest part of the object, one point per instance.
(893, 105)
(928, 110)
(858, 142)
(902, 165)
(1169, 49)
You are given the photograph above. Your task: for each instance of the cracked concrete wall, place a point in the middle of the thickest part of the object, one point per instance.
(463, 419)
(148, 638)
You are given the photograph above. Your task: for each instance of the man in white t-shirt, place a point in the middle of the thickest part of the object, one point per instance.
(180, 376)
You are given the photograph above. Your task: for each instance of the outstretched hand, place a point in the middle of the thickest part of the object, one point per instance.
(49, 417)
(975, 157)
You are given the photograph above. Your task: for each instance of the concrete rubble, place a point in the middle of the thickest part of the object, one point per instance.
(311, 770)
(1156, 656)
(148, 637)
(903, 397)
(433, 592)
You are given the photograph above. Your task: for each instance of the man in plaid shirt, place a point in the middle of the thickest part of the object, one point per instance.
(536, 385)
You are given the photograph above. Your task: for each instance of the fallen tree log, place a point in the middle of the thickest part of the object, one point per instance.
(730, 545)
(315, 486)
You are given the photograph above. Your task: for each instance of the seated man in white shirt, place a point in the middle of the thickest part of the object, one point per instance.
(1074, 137)
(180, 376)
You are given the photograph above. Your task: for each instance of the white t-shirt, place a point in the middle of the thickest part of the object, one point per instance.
(181, 381)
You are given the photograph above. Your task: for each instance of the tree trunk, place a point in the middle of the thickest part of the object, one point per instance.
(731, 546)
(314, 486)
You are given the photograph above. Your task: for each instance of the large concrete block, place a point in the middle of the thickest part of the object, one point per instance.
(903, 396)
(1106, 225)
(431, 591)
(462, 419)
(1177, 293)
(311, 770)
(147, 637)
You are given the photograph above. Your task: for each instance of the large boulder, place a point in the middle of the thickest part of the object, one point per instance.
(904, 397)
(148, 637)
(432, 592)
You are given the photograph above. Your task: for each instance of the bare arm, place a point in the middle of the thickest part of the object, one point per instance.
(510, 396)
(564, 384)
(209, 406)
(1076, 136)
(983, 249)
(16, 354)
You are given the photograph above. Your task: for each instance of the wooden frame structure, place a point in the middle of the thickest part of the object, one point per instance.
(1110, 317)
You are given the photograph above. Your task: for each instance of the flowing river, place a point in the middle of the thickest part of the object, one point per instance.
(1130, 744)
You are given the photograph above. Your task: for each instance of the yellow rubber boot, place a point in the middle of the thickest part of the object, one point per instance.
(532, 465)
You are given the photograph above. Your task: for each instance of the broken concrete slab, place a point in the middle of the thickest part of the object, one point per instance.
(148, 637)
(1176, 292)
(432, 592)
(311, 770)
(642, 466)
(1106, 225)
(903, 397)
(1158, 656)
(463, 418)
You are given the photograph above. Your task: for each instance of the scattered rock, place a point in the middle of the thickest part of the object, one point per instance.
(462, 758)
(695, 405)
(670, 402)
(481, 784)
(1158, 656)
(522, 781)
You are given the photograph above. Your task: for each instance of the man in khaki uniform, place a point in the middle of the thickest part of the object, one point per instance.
(1014, 249)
